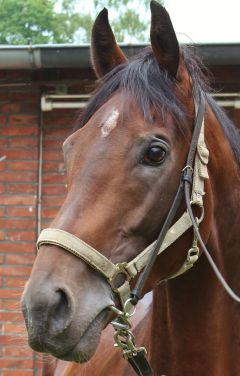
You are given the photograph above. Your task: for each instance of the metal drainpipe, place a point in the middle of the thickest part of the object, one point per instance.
(39, 202)
(40, 168)
(50, 102)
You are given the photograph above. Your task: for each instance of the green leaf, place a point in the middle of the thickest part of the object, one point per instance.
(48, 21)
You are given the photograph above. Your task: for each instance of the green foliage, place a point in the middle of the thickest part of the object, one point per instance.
(128, 18)
(37, 21)
(129, 22)
(52, 21)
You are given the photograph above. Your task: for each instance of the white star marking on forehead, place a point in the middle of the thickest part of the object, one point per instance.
(110, 123)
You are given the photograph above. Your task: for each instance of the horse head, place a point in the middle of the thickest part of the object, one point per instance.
(123, 169)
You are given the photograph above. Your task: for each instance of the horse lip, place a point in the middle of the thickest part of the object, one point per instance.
(79, 356)
(73, 353)
(79, 353)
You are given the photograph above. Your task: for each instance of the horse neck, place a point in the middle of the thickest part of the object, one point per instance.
(223, 187)
(192, 317)
(195, 326)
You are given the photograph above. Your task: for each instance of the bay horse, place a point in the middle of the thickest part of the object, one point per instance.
(124, 164)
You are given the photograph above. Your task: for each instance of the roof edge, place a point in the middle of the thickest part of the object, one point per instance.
(78, 56)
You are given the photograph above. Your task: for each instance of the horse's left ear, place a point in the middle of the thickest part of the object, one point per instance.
(163, 39)
(105, 52)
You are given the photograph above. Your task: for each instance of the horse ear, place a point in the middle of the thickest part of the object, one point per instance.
(105, 53)
(163, 39)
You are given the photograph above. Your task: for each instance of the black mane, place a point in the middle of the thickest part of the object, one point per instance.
(152, 88)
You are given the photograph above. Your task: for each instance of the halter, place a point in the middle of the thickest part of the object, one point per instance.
(194, 173)
(168, 235)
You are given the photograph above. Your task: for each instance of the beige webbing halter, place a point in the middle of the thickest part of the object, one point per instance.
(130, 269)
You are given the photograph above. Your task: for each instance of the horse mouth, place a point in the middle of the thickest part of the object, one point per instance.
(85, 347)
(89, 340)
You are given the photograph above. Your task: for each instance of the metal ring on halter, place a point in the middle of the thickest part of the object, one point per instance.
(128, 307)
(199, 219)
(186, 167)
(116, 310)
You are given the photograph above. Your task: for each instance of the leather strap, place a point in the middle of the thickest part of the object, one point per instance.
(140, 364)
(79, 248)
(91, 256)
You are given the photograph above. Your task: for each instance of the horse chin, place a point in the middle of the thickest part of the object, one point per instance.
(89, 340)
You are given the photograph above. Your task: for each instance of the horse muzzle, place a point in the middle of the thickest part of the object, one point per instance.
(63, 319)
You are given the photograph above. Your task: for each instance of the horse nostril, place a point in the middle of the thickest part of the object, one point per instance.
(60, 315)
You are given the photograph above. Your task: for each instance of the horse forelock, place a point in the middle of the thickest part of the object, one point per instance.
(146, 83)
(152, 88)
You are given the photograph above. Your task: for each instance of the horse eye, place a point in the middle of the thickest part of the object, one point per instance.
(154, 155)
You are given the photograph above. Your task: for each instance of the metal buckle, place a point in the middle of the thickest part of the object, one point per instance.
(198, 219)
(193, 252)
(124, 340)
(193, 255)
(121, 270)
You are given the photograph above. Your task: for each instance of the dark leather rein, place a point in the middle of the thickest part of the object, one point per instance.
(185, 180)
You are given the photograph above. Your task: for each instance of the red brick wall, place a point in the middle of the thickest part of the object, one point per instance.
(19, 123)
(57, 125)
(19, 143)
